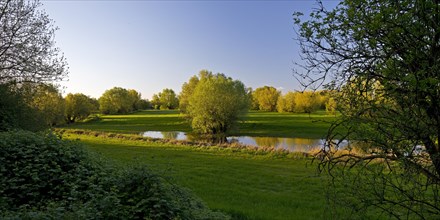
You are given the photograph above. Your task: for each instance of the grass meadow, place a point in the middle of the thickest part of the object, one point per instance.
(255, 123)
(245, 184)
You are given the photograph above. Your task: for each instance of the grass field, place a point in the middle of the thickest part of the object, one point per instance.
(270, 124)
(244, 184)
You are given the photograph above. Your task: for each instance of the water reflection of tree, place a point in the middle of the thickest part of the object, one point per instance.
(169, 134)
(267, 141)
(302, 144)
(217, 138)
(302, 141)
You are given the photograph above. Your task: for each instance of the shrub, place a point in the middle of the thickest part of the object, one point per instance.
(37, 169)
(44, 177)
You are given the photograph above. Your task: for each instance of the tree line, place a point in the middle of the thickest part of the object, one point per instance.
(46, 101)
(39, 105)
(268, 98)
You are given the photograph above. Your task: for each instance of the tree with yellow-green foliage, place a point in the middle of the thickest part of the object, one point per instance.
(299, 102)
(254, 101)
(266, 97)
(167, 99)
(216, 104)
(118, 101)
(187, 90)
(286, 102)
(306, 102)
(47, 100)
(330, 106)
(78, 107)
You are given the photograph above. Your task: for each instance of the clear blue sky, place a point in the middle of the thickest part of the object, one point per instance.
(152, 45)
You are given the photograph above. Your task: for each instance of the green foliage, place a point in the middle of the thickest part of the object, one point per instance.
(39, 169)
(306, 102)
(300, 102)
(31, 106)
(286, 103)
(46, 99)
(15, 113)
(43, 176)
(165, 100)
(155, 102)
(138, 102)
(119, 101)
(382, 57)
(330, 106)
(267, 98)
(254, 102)
(78, 107)
(95, 104)
(216, 104)
(360, 187)
(187, 91)
(142, 104)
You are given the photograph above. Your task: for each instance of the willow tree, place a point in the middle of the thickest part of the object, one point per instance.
(383, 59)
(216, 104)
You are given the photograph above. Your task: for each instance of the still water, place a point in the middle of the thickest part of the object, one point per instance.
(290, 144)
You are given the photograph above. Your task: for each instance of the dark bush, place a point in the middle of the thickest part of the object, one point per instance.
(38, 169)
(15, 113)
(44, 177)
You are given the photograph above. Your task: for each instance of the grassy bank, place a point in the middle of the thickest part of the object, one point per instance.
(270, 124)
(245, 184)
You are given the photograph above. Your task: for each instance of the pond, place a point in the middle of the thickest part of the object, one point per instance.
(290, 144)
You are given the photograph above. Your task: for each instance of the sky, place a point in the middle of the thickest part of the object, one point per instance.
(152, 45)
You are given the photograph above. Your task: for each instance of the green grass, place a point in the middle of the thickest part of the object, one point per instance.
(274, 124)
(244, 184)
(270, 124)
(153, 120)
